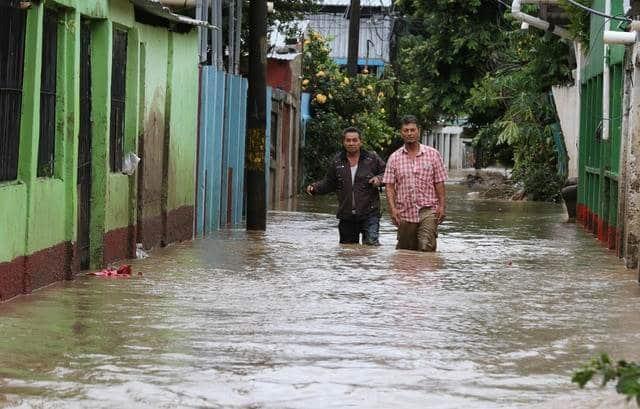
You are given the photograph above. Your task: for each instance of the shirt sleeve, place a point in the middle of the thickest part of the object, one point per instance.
(390, 171)
(439, 172)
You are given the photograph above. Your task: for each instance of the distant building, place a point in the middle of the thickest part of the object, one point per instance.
(332, 21)
(449, 139)
(284, 68)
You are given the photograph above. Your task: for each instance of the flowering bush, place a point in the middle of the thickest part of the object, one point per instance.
(339, 101)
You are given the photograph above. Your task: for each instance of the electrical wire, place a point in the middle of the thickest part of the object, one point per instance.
(598, 13)
(504, 4)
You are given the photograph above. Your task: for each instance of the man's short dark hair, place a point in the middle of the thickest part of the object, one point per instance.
(350, 130)
(409, 119)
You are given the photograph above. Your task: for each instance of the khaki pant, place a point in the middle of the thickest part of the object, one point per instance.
(419, 236)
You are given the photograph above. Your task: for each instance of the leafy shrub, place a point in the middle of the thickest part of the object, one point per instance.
(337, 102)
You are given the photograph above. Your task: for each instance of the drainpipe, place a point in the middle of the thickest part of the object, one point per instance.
(606, 81)
(179, 3)
(620, 37)
(536, 22)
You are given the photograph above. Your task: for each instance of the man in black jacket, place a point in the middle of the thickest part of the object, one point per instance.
(355, 175)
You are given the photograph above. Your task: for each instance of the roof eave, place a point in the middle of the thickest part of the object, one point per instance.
(156, 8)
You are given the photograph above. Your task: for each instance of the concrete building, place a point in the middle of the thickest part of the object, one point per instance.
(284, 69)
(456, 149)
(86, 82)
(332, 21)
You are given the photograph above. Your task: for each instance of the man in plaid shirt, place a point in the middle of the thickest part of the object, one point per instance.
(414, 180)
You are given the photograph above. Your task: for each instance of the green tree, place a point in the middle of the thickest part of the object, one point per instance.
(519, 92)
(470, 59)
(447, 46)
(339, 101)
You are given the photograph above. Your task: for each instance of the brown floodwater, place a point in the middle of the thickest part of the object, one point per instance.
(514, 300)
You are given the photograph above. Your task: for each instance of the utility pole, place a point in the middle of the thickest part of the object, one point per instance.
(354, 38)
(394, 48)
(256, 118)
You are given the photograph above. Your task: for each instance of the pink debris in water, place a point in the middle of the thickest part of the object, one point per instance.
(124, 271)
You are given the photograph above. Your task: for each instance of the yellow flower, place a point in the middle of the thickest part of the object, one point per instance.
(346, 80)
(380, 94)
(321, 99)
(307, 42)
(305, 82)
(365, 71)
(369, 87)
(320, 74)
(382, 110)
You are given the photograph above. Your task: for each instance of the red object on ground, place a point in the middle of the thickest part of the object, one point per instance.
(124, 271)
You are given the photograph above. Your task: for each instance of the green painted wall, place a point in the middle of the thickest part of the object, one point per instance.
(183, 121)
(38, 213)
(100, 113)
(599, 158)
(47, 221)
(594, 63)
(153, 107)
(13, 210)
(121, 191)
(69, 115)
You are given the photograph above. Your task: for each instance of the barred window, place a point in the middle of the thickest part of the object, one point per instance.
(46, 147)
(12, 30)
(118, 94)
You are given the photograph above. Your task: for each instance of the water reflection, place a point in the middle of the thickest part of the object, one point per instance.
(512, 302)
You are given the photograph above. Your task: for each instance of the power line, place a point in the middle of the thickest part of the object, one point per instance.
(596, 12)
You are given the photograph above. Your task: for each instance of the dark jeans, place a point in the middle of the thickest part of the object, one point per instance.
(350, 230)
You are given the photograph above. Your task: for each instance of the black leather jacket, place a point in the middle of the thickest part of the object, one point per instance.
(360, 200)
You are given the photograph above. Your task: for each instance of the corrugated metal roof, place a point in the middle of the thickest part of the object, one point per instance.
(363, 3)
(154, 7)
(277, 39)
(335, 27)
(285, 57)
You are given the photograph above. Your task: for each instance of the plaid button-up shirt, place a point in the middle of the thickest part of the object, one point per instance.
(414, 180)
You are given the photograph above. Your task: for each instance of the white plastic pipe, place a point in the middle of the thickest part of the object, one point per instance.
(536, 22)
(179, 3)
(619, 37)
(606, 81)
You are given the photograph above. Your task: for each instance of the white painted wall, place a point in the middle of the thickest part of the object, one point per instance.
(447, 139)
(567, 101)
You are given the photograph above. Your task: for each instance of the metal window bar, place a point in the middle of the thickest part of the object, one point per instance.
(12, 33)
(118, 95)
(46, 147)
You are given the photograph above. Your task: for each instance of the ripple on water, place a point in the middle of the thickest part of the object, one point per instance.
(512, 302)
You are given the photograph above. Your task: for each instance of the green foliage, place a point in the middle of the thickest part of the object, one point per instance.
(579, 20)
(449, 45)
(515, 102)
(468, 58)
(339, 101)
(627, 375)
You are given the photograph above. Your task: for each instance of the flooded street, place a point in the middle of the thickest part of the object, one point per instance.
(514, 300)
